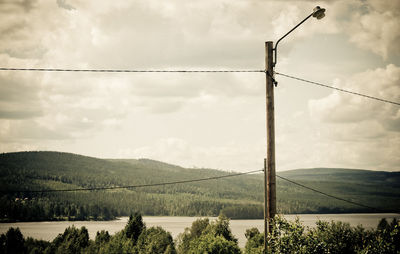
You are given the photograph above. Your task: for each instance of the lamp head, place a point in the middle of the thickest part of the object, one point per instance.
(318, 12)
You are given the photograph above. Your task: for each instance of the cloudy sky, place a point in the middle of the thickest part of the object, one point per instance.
(214, 120)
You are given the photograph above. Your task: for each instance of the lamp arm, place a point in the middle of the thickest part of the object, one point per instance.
(276, 45)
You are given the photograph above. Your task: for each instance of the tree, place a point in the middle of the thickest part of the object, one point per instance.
(221, 228)
(33, 246)
(195, 231)
(73, 240)
(198, 227)
(327, 237)
(13, 241)
(206, 237)
(212, 244)
(134, 227)
(118, 244)
(383, 225)
(255, 241)
(102, 237)
(155, 240)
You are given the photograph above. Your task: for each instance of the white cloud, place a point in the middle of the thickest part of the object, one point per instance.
(363, 132)
(15, 89)
(216, 119)
(178, 151)
(341, 108)
(65, 5)
(376, 27)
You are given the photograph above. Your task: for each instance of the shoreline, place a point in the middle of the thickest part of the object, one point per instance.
(185, 216)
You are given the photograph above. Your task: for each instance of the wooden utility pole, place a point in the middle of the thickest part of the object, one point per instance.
(269, 169)
(266, 212)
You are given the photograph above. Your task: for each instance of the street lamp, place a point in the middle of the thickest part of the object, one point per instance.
(269, 162)
(317, 13)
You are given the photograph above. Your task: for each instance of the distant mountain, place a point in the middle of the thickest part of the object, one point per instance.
(237, 197)
(344, 175)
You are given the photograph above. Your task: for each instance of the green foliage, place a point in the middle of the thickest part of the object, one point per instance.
(209, 243)
(334, 237)
(12, 242)
(133, 239)
(134, 227)
(255, 241)
(250, 233)
(221, 228)
(287, 236)
(73, 240)
(385, 240)
(36, 246)
(101, 241)
(326, 237)
(102, 237)
(198, 227)
(206, 237)
(190, 234)
(52, 170)
(383, 225)
(123, 241)
(155, 240)
(118, 243)
(215, 237)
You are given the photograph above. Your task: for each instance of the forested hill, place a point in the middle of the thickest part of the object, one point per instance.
(344, 175)
(237, 197)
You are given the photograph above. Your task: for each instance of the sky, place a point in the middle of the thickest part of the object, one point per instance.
(210, 120)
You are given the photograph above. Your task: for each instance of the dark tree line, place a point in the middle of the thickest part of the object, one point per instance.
(44, 209)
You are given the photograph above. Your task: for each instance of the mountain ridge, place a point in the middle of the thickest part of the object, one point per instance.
(237, 197)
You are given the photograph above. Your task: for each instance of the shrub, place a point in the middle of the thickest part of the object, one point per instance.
(327, 237)
(155, 240)
(206, 237)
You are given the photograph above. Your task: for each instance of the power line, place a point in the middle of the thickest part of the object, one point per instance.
(191, 181)
(133, 186)
(191, 71)
(332, 196)
(121, 70)
(339, 89)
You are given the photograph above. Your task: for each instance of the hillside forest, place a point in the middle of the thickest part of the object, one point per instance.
(24, 174)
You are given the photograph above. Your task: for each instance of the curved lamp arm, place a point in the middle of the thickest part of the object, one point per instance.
(318, 13)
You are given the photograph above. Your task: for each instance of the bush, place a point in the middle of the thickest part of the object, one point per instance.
(209, 243)
(326, 237)
(155, 240)
(206, 237)
(73, 240)
(255, 241)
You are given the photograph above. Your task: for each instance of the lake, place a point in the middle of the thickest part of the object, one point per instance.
(176, 225)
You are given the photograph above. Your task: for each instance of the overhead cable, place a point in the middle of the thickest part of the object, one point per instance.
(120, 70)
(332, 196)
(339, 89)
(132, 186)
